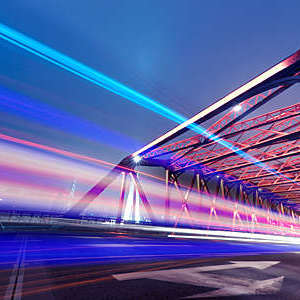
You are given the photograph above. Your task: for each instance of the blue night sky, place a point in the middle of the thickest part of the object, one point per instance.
(184, 54)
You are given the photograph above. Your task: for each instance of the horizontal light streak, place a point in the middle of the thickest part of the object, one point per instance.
(117, 88)
(48, 194)
(237, 239)
(84, 71)
(71, 155)
(46, 115)
(214, 233)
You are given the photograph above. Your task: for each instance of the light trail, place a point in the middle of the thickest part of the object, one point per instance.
(71, 155)
(45, 194)
(250, 239)
(46, 115)
(91, 262)
(115, 87)
(85, 72)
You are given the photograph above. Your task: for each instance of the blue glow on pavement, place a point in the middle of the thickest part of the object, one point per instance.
(47, 249)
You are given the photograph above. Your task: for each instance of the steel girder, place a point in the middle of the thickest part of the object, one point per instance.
(245, 203)
(272, 139)
(247, 98)
(285, 73)
(234, 129)
(225, 125)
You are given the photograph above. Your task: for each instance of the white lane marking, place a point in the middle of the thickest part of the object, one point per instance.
(226, 285)
(234, 265)
(236, 287)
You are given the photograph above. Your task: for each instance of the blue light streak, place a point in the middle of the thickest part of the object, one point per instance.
(67, 250)
(85, 72)
(46, 115)
(113, 86)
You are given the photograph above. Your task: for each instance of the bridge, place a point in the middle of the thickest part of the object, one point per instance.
(251, 163)
(209, 209)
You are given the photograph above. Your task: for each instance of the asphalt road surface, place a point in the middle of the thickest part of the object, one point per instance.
(61, 266)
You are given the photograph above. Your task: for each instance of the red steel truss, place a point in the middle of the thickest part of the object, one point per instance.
(272, 139)
(224, 123)
(258, 157)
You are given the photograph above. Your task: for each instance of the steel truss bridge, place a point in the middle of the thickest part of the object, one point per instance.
(251, 161)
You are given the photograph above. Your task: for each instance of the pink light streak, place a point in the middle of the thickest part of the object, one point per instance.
(43, 197)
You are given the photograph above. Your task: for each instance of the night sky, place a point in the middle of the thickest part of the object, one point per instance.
(184, 54)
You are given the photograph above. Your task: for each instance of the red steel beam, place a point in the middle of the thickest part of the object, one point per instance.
(287, 136)
(223, 125)
(245, 145)
(252, 163)
(264, 175)
(279, 77)
(279, 183)
(270, 117)
(287, 67)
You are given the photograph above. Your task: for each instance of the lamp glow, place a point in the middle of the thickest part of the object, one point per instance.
(137, 159)
(237, 108)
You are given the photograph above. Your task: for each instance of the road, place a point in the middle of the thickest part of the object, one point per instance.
(120, 266)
